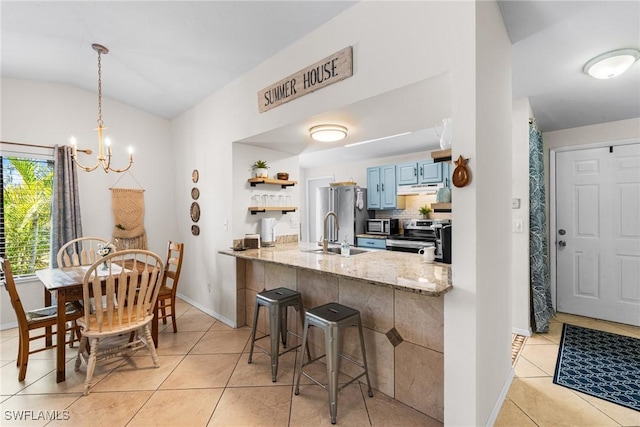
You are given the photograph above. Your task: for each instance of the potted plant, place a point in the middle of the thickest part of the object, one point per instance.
(425, 211)
(259, 169)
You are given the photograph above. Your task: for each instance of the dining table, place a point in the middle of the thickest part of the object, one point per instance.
(66, 284)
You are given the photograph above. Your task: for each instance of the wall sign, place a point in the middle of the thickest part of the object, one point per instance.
(325, 72)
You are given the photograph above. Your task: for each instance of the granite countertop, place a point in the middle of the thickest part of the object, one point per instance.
(399, 270)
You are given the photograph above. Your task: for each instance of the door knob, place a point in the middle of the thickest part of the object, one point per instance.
(562, 243)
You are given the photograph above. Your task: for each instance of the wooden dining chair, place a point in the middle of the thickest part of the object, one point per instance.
(80, 251)
(128, 288)
(42, 318)
(167, 295)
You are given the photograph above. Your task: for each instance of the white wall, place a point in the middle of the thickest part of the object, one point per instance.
(603, 132)
(49, 113)
(519, 278)
(491, 167)
(394, 44)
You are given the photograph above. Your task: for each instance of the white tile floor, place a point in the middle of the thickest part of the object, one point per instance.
(533, 399)
(204, 380)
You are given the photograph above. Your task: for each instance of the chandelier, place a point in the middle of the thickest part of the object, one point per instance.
(102, 159)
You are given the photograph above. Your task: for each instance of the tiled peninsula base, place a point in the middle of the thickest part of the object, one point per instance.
(403, 331)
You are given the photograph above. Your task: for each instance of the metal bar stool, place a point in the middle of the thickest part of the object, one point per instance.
(332, 318)
(277, 301)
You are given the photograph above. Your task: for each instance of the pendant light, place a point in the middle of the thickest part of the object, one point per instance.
(102, 159)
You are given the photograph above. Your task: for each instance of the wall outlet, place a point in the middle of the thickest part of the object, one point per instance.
(518, 226)
(293, 222)
(209, 287)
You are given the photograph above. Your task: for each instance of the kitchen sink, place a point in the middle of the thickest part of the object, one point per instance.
(337, 251)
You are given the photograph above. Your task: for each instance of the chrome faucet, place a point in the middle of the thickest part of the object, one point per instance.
(325, 242)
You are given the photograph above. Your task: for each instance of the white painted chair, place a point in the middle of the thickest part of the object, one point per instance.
(127, 282)
(80, 251)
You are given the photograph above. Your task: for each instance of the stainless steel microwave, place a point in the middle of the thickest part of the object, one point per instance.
(386, 226)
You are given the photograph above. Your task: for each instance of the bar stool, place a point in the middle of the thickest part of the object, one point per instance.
(277, 301)
(332, 318)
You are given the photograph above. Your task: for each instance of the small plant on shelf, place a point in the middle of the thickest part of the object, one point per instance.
(260, 168)
(425, 211)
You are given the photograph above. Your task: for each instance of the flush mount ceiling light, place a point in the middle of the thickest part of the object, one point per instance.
(611, 64)
(328, 133)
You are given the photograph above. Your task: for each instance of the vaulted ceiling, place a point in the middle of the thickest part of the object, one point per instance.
(166, 57)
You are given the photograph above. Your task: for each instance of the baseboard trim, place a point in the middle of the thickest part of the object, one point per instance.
(503, 395)
(8, 326)
(523, 332)
(210, 312)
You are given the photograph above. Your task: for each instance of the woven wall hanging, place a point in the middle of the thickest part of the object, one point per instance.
(128, 213)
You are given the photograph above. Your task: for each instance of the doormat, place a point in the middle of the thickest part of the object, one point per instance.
(517, 343)
(600, 364)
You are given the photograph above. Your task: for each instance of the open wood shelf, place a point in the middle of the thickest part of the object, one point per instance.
(280, 182)
(441, 207)
(284, 209)
(441, 155)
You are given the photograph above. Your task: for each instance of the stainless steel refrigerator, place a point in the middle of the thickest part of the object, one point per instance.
(350, 204)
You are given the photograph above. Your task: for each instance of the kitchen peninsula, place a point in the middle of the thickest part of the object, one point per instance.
(399, 296)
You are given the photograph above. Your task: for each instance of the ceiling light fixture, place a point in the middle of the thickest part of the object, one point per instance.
(376, 139)
(611, 64)
(328, 133)
(102, 160)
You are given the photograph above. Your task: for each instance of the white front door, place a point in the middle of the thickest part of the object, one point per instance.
(597, 233)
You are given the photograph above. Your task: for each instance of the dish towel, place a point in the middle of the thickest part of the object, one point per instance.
(359, 200)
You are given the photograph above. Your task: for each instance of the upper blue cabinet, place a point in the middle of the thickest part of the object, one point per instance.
(429, 172)
(407, 173)
(381, 188)
(423, 172)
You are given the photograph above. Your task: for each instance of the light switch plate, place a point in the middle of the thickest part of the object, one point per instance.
(518, 226)
(515, 203)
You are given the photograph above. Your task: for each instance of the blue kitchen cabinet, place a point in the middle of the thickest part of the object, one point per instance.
(366, 242)
(381, 187)
(430, 172)
(373, 188)
(407, 173)
(446, 173)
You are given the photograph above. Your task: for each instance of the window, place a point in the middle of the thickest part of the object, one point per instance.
(25, 213)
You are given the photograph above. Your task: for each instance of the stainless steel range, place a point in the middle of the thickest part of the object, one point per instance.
(420, 233)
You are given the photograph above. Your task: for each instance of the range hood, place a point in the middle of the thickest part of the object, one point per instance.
(410, 190)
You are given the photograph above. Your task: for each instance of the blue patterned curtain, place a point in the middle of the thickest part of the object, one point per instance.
(538, 253)
(66, 222)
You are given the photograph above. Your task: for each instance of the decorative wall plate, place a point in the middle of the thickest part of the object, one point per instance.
(460, 176)
(195, 193)
(195, 175)
(195, 212)
(195, 230)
